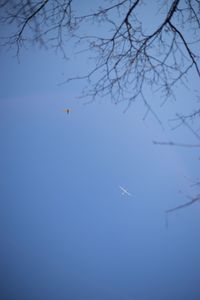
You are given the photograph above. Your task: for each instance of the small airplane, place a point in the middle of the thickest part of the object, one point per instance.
(124, 191)
(67, 110)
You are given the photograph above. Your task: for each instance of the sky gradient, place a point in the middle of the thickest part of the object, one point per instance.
(66, 230)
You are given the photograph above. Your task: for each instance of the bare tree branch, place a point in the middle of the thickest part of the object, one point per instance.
(128, 57)
(185, 145)
(192, 201)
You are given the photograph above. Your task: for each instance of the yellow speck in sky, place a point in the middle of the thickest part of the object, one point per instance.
(67, 110)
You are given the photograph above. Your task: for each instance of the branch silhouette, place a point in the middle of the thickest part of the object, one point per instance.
(192, 201)
(128, 55)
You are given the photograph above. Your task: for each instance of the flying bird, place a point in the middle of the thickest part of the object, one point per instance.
(124, 191)
(67, 110)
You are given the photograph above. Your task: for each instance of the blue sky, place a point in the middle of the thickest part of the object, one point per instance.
(66, 231)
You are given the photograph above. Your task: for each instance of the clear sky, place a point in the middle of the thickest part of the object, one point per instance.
(66, 230)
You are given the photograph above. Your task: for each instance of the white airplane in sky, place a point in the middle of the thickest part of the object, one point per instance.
(124, 191)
